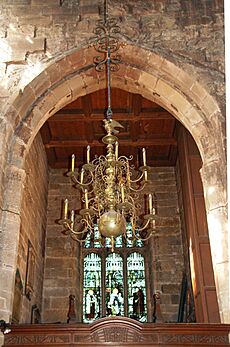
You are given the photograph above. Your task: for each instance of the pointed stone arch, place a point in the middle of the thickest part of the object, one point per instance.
(156, 79)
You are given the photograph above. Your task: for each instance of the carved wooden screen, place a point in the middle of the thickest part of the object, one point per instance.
(114, 284)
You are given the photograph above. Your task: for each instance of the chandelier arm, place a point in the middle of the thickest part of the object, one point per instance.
(144, 227)
(138, 179)
(138, 190)
(87, 219)
(144, 238)
(75, 180)
(67, 225)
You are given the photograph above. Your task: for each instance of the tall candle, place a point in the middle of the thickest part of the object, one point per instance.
(72, 162)
(86, 199)
(72, 218)
(150, 203)
(82, 176)
(88, 154)
(146, 175)
(144, 156)
(116, 150)
(65, 208)
(122, 193)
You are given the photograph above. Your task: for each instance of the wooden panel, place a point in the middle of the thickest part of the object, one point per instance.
(206, 261)
(201, 219)
(211, 305)
(196, 229)
(118, 332)
(196, 163)
(71, 130)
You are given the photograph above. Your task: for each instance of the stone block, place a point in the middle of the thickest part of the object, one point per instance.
(40, 84)
(63, 94)
(164, 89)
(18, 48)
(77, 86)
(23, 102)
(198, 93)
(61, 302)
(50, 3)
(148, 81)
(55, 316)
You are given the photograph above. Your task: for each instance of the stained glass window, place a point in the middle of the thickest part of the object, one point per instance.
(92, 287)
(114, 283)
(136, 287)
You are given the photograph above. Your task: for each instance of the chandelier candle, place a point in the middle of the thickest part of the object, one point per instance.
(82, 176)
(72, 162)
(116, 150)
(88, 154)
(65, 208)
(144, 156)
(150, 203)
(86, 200)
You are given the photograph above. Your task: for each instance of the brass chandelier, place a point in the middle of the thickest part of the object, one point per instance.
(109, 187)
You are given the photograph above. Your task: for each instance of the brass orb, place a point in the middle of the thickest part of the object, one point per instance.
(112, 223)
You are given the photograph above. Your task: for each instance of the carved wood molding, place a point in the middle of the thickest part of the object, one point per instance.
(118, 332)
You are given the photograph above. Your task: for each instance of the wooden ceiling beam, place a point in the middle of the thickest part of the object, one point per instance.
(141, 142)
(66, 117)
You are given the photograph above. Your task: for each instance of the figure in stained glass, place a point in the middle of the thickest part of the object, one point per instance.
(115, 302)
(138, 303)
(91, 305)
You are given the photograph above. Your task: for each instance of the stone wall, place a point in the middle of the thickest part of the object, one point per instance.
(187, 33)
(33, 227)
(63, 263)
(167, 260)
(62, 268)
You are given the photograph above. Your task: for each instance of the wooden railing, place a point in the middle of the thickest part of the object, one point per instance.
(118, 332)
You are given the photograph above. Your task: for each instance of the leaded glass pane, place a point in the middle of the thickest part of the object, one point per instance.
(136, 287)
(129, 239)
(139, 243)
(118, 242)
(114, 295)
(92, 288)
(87, 243)
(96, 237)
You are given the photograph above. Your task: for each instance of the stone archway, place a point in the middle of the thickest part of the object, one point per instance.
(141, 72)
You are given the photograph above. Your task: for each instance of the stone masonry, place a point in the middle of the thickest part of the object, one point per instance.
(33, 225)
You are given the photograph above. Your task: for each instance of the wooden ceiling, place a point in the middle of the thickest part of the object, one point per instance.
(145, 123)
